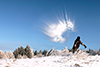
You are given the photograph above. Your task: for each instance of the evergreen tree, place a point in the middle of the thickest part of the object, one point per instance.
(22, 51)
(40, 52)
(16, 52)
(35, 53)
(28, 51)
(45, 52)
(19, 50)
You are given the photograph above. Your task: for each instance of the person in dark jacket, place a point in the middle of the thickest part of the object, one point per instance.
(77, 44)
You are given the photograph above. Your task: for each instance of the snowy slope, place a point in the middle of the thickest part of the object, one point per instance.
(81, 59)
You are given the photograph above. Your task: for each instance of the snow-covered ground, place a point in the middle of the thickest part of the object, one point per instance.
(80, 59)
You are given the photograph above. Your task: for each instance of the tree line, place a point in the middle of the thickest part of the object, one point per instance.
(28, 52)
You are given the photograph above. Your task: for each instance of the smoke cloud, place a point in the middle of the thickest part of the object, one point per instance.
(56, 30)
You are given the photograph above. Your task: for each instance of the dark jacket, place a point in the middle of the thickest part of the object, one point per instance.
(77, 44)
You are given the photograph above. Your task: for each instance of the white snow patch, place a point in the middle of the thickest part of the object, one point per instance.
(68, 60)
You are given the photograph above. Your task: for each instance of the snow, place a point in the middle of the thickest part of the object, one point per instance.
(81, 59)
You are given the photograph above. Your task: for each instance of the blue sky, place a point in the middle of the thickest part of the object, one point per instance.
(22, 23)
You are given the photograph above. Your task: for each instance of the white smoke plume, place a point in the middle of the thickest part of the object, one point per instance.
(56, 30)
